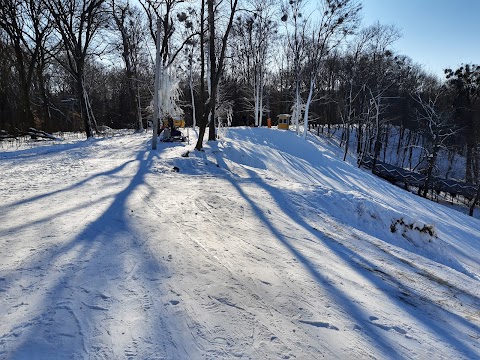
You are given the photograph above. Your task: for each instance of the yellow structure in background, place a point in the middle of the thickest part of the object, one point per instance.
(284, 121)
(177, 123)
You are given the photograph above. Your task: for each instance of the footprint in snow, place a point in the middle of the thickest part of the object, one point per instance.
(320, 324)
(398, 329)
(147, 302)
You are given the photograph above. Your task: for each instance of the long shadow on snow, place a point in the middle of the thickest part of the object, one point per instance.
(316, 170)
(52, 217)
(298, 155)
(354, 178)
(67, 325)
(68, 188)
(47, 148)
(297, 152)
(407, 297)
(374, 332)
(36, 260)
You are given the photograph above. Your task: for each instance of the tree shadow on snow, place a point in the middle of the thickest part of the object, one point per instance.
(84, 288)
(392, 287)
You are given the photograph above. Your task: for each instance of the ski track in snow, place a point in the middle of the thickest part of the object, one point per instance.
(256, 249)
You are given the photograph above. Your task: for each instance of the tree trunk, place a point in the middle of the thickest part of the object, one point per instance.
(192, 95)
(211, 126)
(201, 134)
(474, 202)
(216, 69)
(83, 105)
(26, 110)
(156, 89)
(201, 105)
(347, 141)
(27, 118)
(400, 140)
(297, 107)
(139, 109)
(307, 106)
(90, 114)
(260, 108)
(469, 164)
(213, 68)
(256, 86)
(132, 95)
(359, 137)
(385, 144)
(45, 107)
(428, 180)
(377, 143)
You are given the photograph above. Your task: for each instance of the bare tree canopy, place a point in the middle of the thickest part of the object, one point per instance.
(77, 23)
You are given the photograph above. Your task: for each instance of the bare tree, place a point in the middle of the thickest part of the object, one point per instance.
(382, 77)
(77, 22)
(437, 129)
(191, 49)
(128, 22)
(351, 89)
(256, 34)
(216, 66)
(161, 13)
(338, 19)
(465, 83)
(296, 27)
(26, 26)
(352, 76)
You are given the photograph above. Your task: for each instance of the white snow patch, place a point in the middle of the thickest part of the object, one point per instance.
(263, 246)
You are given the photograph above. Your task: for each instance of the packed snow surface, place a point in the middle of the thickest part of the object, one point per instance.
(263, 246)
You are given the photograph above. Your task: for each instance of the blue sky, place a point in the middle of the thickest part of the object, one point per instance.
(435, 33)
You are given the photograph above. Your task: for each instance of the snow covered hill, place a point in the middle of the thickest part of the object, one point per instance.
(264, 246)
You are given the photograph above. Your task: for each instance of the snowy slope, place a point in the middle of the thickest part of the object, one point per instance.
(265, 246)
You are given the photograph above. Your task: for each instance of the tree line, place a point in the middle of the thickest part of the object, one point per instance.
(77, 65)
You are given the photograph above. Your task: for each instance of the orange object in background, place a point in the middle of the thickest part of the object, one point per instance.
(269, 123)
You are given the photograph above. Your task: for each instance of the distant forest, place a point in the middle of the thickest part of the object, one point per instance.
(76, 65)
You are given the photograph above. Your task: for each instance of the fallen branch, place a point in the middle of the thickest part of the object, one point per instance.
(5, 135)
(35, 134)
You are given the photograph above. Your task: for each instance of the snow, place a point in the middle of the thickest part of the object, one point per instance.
(264, 246)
